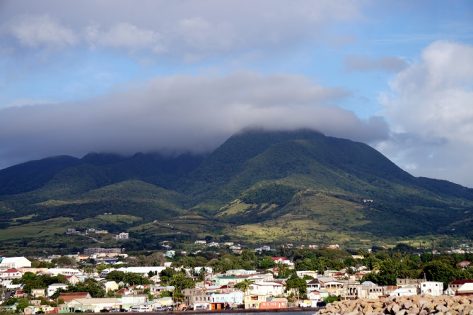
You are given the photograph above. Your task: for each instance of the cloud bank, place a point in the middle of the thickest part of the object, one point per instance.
(430, 109)
(180, 113)
(188, 29)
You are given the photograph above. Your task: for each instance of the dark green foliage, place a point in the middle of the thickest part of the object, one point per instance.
(273, 193)
(94, 288)
(297, 284)
(35, 281)
(277, 173)
(127, 278)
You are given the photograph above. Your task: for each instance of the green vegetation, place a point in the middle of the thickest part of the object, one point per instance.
(127, 278)
(36, 281)
(258, 186)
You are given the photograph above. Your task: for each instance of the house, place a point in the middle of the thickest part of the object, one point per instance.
(365, 290)
(407, 290)
(170, 253)
(283, 260)
(10, 274)
(72, 280)
(407, 281)
(463, 264)
(313, 285)
(122, 236)
(465, 289)
(110, 286)
(64, 271)
(69, 296)
(218, 301)
(266, 288)
(332, 286)
(456, 284)
(240, 272)
(273, 304)
(91, 305)
(157, 289)
(431, 288)
(309, 273)
(264, 302)
(38, 293)
(14, 262)
(53, 288)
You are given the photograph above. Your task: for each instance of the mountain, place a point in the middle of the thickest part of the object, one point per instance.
(265, 186)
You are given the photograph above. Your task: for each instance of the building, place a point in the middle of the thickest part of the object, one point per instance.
(99, 250)
(365, 290)
(53, 288)
(64, 271)
(69, 296)
(465, 289)
(407, 281)
(14, 262)
(266, 288)
(110, 286)
(455, 285)
(431, 288)
(91, 305)
(10, 274)
(122, 236)
(38, 293)
(407, 290)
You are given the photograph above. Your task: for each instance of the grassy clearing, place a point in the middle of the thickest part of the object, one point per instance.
(36, 229)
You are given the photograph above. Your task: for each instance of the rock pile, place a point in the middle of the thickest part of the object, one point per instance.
(441, 305)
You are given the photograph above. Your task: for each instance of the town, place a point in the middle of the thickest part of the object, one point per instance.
(227, 276)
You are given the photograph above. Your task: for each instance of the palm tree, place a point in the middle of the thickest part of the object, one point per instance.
(244, 285)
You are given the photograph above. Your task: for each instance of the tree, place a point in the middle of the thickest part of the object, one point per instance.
(243, 285)
(438, 270)
(297, 284)
(265, 263)
(92, 286)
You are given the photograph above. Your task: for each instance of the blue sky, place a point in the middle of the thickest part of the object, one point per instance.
(359, 59)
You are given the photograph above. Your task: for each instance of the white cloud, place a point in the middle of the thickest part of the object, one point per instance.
(41, 30)
(179, 113)
(430, 106)
(122, 35)
(178, 28)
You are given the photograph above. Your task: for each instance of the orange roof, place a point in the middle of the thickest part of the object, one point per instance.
(69, 296)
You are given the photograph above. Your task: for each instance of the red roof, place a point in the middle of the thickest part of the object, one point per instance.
(12, 270)
(278, 258)
(69, 296)
(462, 281)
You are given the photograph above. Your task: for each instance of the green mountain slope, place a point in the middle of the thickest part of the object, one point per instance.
(258, 185)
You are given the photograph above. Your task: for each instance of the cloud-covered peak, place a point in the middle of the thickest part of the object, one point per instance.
(180, 113)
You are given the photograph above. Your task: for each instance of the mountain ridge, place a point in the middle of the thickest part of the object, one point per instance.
(257, 182)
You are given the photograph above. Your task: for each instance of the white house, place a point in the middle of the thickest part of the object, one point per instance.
(10, 274)
(53, 288)
(266, 288)
(309, 273)
(283, 260)
(38, 293)
(431, 288)
(232, 298)
(465, 289)
(407, 290)
(122, 236)
(110, 286)
(14, 262)
(64, 271)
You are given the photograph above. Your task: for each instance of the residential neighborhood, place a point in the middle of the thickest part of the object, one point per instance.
(108, 279)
